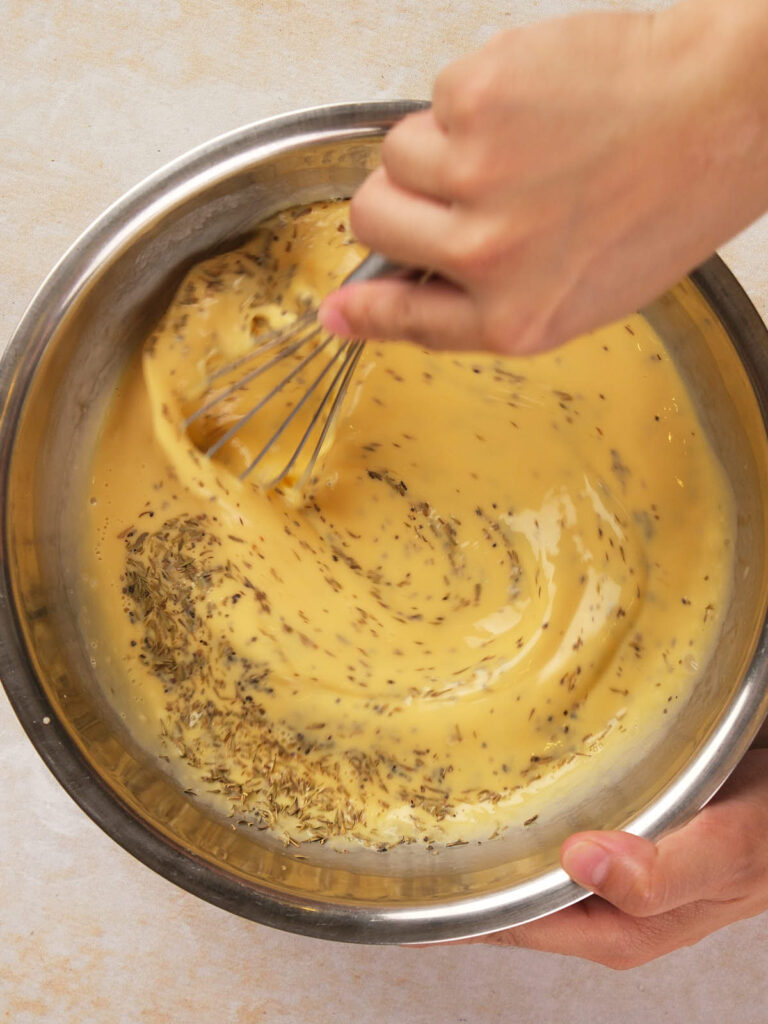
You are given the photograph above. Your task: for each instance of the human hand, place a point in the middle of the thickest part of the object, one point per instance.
(566, 174)
(652, 899)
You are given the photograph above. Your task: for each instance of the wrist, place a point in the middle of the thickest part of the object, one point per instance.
(719, 52)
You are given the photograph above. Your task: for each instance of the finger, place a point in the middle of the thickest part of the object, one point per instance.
(595, 930)
(643, 879)
(408, 228)
(591, 930)
(474, 89)
(433, 313)
(415, 154)
(455, 82)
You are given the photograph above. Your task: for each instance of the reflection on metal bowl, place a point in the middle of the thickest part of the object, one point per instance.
(55, 379)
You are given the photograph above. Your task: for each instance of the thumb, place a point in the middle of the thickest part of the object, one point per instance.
(643, 879)
(431, 313)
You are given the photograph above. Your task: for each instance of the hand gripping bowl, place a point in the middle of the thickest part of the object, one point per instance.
(55, 378)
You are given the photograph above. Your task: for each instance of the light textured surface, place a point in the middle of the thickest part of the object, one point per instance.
(95, 95)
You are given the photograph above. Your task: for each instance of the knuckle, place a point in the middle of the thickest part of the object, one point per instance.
(462, 98)
(474, 250)
(508, 331)
(401, 138)
(366, 228)
(447, 87)
(394, 145)
(466, 176)
(405, 316)
(500, 339)
(364, 207)
(641, 900)
(641, 890)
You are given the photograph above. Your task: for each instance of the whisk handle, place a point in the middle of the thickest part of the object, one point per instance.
(375, 265)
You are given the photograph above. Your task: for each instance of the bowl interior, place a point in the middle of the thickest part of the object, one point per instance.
(97, 306)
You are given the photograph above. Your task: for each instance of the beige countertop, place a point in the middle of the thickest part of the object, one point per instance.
(96, 95)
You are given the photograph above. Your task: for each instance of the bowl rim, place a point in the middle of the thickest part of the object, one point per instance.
(18, 363)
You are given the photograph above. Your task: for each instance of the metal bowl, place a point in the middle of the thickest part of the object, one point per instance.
(55, 380)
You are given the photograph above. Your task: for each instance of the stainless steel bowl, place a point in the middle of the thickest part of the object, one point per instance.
(54, 382)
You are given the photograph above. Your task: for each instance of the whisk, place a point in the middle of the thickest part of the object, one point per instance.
(339, 366)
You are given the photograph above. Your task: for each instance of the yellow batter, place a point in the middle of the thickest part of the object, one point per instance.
(498, 561)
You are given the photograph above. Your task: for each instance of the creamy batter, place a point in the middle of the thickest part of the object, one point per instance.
(496, 563)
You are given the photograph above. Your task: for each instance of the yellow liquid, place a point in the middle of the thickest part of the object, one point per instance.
(500, 566)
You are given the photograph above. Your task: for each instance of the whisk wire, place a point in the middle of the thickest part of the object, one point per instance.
(274, 339)
(354, 352)
(288, 342)
(351, 352)
(221, 396)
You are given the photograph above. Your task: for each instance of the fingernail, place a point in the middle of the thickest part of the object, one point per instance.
(587, 863)
(333, 320)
